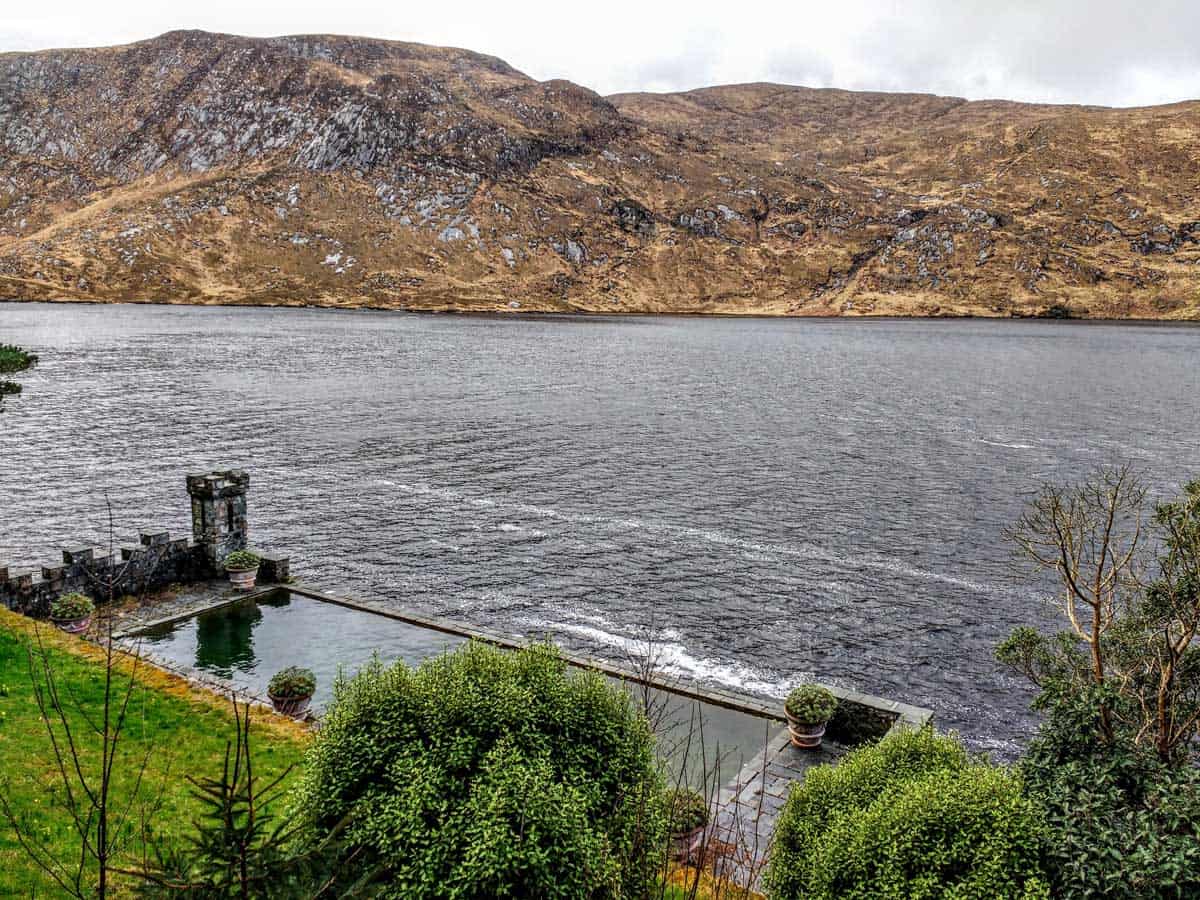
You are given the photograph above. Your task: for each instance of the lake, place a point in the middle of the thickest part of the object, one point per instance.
(768, 500)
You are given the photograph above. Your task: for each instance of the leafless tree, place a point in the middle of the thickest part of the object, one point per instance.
(1089, 534)
(1129, 588)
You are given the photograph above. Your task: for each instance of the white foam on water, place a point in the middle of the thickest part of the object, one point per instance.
(673, 659)
(1009, 446)
(756, 549)
(995, 747)
(510, 528)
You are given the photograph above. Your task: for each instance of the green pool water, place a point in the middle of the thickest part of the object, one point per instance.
(247, 642)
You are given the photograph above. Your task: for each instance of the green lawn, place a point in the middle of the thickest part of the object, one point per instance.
(187, 730)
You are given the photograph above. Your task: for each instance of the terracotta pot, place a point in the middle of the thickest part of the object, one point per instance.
(243, 579)
(295, 707)
(73, 626)
(806, 734)
(685, 846)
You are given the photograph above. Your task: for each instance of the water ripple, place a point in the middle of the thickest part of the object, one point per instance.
(772, 500)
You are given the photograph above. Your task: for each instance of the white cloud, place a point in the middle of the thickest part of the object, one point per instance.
(1106, 51)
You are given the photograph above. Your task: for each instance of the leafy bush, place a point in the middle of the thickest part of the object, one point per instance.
(1129, 595)
(1114, 765)
(811, 704)
(490, 774)
(909, 817)
(1123, 823)
(15, 359)
(240, 560)
(687, 810)
(70, 607)
(291, 683)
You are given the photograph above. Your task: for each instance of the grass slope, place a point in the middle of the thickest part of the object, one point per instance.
(188, 729)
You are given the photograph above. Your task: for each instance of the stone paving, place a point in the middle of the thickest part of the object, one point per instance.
(748, 807)
(179, 601)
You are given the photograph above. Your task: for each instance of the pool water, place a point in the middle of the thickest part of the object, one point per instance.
(247, 642)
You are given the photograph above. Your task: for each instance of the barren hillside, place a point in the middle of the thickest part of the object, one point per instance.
(204, 168)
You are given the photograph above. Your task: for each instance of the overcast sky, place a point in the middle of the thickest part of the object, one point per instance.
(1112, 52)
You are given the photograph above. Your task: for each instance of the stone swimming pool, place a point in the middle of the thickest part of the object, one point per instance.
(243, 642)
(247, 641)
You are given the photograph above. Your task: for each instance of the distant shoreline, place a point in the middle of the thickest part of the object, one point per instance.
(613, 314)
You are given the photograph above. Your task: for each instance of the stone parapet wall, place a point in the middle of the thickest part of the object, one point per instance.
(156, 561)
(274, 569)
(863, 718)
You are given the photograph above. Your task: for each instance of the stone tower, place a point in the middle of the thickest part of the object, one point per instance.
(219, 514)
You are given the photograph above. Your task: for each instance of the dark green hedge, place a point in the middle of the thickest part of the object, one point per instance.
(486, 773)
(1123, 824)
(910, 817)
(15, 359)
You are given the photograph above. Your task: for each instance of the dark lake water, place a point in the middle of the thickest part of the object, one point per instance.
(770, 499)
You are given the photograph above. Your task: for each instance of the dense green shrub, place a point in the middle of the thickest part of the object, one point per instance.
(490, 774)
(240, 560)
(811, 704)
(72, 606)
(15, 359)
(687, 810)
(1123, 823)
(909, 817)
(291, 683)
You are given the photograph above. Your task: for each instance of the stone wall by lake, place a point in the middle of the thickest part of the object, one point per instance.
(156, 561)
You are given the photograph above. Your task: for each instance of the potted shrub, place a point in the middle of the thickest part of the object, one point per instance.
(809, 707)
(688, 817)
(242, 567)
(291, 690)
(72, 612)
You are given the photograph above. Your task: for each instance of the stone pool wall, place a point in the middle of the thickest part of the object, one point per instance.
(860, 718)
(157, 560)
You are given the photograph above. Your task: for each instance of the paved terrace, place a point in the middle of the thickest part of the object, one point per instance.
(748, 807)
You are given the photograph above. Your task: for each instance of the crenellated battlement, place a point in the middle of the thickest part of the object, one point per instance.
(155, 561)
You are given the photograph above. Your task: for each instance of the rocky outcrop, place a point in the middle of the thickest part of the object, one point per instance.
(203, 168)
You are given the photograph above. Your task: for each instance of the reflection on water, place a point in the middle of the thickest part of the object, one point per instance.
(703, 745)
(249, 641)
(225, 639)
